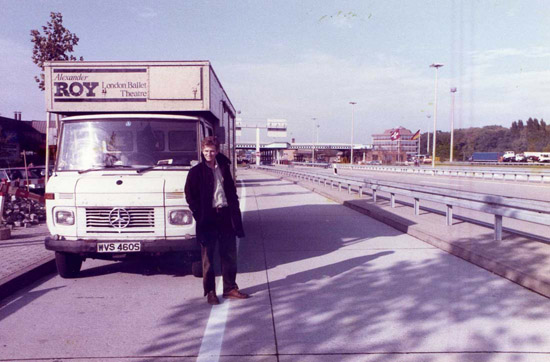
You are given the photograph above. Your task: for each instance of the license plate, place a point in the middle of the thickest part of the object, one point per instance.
(118, 247)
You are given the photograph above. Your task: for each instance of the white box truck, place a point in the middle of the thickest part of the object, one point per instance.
(127, 134)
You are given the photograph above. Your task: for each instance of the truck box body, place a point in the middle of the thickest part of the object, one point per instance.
(486, 156)
(129, 133)
(148, 87)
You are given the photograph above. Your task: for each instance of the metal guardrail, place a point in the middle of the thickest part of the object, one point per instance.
(492, 174)
(500, 206)
(314, 164)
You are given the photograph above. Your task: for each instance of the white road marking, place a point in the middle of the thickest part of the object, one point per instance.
(212, 339)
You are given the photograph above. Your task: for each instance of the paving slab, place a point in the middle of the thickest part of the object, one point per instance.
(23, 258)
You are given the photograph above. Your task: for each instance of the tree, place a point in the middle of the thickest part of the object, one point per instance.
(56, 43)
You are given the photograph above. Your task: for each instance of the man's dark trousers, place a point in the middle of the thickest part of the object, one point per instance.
(221, 233)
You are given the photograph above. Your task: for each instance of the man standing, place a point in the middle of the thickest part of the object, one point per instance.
(212, 197)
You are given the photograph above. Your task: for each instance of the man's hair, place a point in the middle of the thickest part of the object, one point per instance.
(210, 141)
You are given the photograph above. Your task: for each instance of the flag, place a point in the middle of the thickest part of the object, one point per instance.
(395, 134)
(416, 136)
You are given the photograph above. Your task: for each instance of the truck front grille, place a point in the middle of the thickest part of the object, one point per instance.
(120, 220)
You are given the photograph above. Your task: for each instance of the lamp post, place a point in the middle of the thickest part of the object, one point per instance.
(317, 134)
(436, 66)
(453, 91)
(352, 116)
(428, 134)
(313, 143)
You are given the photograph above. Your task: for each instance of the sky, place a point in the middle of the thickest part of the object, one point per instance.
(305, 61)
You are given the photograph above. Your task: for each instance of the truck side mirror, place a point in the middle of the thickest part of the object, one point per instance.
(220, 134)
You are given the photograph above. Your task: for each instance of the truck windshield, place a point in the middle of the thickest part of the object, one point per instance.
(127, 143)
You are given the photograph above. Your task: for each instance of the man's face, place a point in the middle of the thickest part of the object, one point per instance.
(209, 153)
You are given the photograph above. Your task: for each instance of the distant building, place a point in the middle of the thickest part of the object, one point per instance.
(17, 136)
(394, 145)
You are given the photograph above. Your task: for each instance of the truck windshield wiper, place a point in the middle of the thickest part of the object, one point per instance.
(102, 167)
(143, 169)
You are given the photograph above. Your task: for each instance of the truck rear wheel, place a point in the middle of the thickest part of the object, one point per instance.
(68, 265)
(196, 269)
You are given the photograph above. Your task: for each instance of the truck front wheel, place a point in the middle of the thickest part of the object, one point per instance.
(68, 265)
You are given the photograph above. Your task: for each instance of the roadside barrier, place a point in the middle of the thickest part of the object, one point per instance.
(489, 174)
(521, 209)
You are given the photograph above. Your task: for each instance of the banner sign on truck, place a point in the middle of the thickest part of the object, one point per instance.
(130, 88)
(100, 85)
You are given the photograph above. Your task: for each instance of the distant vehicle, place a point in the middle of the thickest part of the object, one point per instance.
(544, 157)
(509, 156)
(520, 157)
(532, 156)
(19, 176)
(486, 157)
(375, 162)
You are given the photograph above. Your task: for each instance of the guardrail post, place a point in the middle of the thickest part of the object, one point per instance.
(417, 206)
(498, 227)
(449, 215)
(339, 186)
(374, 195)
(392, 200)
(349, 189)
(527, 177)
(360, 191)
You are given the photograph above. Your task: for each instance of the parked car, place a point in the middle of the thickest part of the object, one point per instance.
(18, 176)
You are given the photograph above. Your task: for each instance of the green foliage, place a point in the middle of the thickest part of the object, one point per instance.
(533, 136)
(56, 43)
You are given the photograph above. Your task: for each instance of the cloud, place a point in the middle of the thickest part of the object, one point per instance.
(146, 12)
(486, 57)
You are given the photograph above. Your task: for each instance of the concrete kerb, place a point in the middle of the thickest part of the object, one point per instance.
(24, 259)
(443, 241)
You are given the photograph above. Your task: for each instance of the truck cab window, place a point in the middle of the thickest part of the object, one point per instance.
(128, 143)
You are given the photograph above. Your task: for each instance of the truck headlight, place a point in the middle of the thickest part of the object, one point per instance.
(64, 217)
(181, 217)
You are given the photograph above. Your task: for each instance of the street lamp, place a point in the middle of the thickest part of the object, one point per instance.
(453, 91)
(352, 116)
(313, 143)
(436, 66)
(428, 134)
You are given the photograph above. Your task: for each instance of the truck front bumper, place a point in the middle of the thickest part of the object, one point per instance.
(147, 246)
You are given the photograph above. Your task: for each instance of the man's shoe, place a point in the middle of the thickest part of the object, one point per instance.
(235, 294)
(212, 299)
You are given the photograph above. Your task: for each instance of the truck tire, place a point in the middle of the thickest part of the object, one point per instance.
(196, 269)
(68, 265)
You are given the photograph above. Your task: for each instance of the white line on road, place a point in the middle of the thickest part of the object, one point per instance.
(212, 339)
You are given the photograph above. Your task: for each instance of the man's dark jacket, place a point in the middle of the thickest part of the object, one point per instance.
(199, 193)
